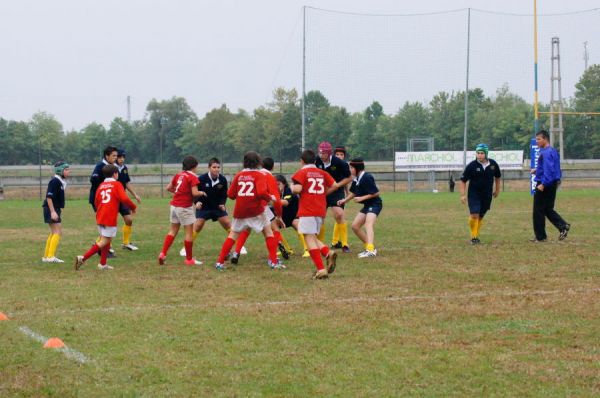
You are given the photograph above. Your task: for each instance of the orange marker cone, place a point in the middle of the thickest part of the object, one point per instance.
(3, 317)
(54, 342)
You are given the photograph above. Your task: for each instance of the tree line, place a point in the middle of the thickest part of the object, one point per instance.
(503, 120)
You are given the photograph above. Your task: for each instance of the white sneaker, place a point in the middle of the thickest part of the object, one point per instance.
(105, 267)
(54, 260)
(78, 262)
(243, 250)
(44, 259)
(131, 247)
(367, 253)
(182, 252)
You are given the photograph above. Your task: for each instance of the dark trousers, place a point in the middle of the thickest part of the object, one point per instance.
(543, 206)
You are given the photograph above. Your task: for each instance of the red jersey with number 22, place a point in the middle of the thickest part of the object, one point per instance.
(313, 198)
(109, 196)
(249, 189)
(182, 183)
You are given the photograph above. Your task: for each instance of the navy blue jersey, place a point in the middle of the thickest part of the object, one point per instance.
(338, 168)
(96, 179)
(365, 185)
(124, 176)
(56, 192)
(289, 211)
(481, 181)
(216, 191)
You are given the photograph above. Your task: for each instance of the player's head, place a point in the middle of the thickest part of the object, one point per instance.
(356, 166)
(251, 160)
(110, 170)
(340, 152)
(189, 163)
(325, 151)
(110, 154)
(61, 168)
(481, 150)
(268, 163)
(542, 138)
(281, 181)
(308, 157)
(214, 167)
(121, 154)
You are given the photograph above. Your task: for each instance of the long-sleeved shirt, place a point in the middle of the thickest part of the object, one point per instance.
(548, 166)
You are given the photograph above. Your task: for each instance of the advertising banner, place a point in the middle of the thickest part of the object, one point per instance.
(535, 154)
(453, 160)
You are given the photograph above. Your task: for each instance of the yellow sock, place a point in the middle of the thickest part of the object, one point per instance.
(47, 249)
(321, 234)
(479, 222)
(53, 245)
(365, 245)
(301, 238)
(195, 235)
(370, 247)
(473, 226)
(336, 234)
(285, 243)
(343, 228)
(126, 234)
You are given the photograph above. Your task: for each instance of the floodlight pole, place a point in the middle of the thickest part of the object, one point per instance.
(536, 115)
(303, 78)
(163, 122)
(467, 89)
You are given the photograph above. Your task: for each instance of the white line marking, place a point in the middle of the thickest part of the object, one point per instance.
(446, 297)
(68, 352)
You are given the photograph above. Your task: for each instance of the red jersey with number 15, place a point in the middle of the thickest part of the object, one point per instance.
(182, 184)
(109, 196)
(313, 198)
(250, 191)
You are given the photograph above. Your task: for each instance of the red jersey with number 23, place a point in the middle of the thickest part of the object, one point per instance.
(109, 196)
(250, 191)
(182, 183)
(313, 198)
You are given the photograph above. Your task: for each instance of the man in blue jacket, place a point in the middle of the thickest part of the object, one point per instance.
(547, 177)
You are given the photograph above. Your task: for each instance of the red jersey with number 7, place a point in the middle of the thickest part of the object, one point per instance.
(313, 198)
(182, 183)
(250, 191)
(109, 196)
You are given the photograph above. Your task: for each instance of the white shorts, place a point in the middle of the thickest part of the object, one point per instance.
(310, 225)
(107, 232)
(183, 215)
(257, 224)
(269, 213)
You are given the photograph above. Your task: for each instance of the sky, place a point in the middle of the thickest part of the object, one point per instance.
(79, 59)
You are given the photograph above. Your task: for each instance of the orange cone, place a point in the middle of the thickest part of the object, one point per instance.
(54, 342)
(3, 317)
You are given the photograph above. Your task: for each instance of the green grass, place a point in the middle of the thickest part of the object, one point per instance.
(431, 316)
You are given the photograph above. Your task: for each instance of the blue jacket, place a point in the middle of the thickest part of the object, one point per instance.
(548, 167)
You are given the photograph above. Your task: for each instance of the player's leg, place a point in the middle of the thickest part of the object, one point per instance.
(168, 241)
(226, 248)
(188, 245)
(197, 227)
(271, 244)
(369, 225)
(104, 248)
(56, 229)
(342, 227)
(127, 229)
(357, 225)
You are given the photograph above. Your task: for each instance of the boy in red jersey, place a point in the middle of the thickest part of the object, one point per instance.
(313, 185)
(109, 196)
(251, 194)
(184, 186)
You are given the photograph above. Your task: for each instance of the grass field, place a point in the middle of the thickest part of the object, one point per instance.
(431, 316)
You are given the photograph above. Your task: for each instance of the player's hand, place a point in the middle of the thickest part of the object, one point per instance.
(496, 193)
(340, 202)
(222, 207)
(280, 222)
(54, 216)
(463, 199)
(532, 171)
(137, 198)
(540, 188)
(198, 205)
(133, 211)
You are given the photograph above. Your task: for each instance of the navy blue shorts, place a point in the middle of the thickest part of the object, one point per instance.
(376, 209)
(479, 204)
(48, 219)
(213, 215)
(333, 198)
(124, 210)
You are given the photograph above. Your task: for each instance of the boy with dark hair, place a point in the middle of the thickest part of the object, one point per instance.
(109, 195)
(483, 175)
(250, 191)
(53, 204)
(364, 191)
(289, 212)
(124, 210)
(184, 187)
(109, 156)
(313, 185)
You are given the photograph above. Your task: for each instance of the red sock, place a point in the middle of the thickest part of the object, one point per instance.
(277, 236)
(316, 257)
(272, 248)
(168, 242)
(241, 241)
(227, 245)
(324, 251)
(188, 249)
(93, 250)
(104, 254)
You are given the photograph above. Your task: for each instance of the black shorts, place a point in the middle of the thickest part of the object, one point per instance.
(288, 220)
(124, 210)
(48, 219)
(479, 203)
(213, 215)
(333, 198)
(375, 209)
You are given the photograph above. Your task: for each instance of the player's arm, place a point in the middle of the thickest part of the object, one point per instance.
(123, 198)
(131, 191)
(348, 198)
(171, 187)
(330, 184)
(96, 177)
(296, 187)
(344, 182)
(196, 192)
(463, 188)
(53, 213)
(497, 187)
(232, 191)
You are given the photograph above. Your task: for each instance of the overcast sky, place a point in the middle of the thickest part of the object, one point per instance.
(79, 60)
